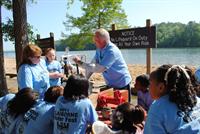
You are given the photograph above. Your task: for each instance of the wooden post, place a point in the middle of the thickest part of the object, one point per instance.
(114, 27)
(51, 34)
(148, 51)
(38, 36)
(52, 40)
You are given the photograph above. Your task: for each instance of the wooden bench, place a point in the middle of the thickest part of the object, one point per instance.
(11, 75)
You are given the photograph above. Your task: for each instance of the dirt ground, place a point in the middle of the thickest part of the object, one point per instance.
(97, 79)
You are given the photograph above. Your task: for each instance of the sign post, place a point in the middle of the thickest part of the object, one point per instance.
(144, 37)
(148, 50)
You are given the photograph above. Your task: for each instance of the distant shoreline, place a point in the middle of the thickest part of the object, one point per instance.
(182, 56)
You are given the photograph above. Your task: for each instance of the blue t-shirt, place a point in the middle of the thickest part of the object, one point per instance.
(72, 117)
(34, 76)
(116, 74)
(54, 67)
(4, 100)
(197, 75)
(8, 122)
(38, 120)
(164, 117)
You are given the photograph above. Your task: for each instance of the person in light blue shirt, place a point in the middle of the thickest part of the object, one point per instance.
(54, 67)
(32, 72)
(74, 111)
(176, 109)
(3, 104)
(39, 119)
(4, 100)
(109, 61)
(14, 109)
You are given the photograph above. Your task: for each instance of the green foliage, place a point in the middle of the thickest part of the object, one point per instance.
(61, 45)
(78, 41)
(8, 27)
(96, 14)
(169, 35)
(8, 31)
(178, 34)
(6, 3)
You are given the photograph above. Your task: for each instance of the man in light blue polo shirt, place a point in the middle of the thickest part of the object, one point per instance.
(109, 61)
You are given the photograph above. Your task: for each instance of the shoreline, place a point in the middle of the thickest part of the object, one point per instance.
(97, 79)
(160, 56)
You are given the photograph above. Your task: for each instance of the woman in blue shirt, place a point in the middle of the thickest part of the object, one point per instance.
(176, 109)
(32, 71)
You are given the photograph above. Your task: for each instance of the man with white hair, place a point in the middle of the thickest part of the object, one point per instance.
(109, 61)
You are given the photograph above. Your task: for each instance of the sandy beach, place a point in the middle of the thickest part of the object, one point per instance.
(10, 67)
(97, 79)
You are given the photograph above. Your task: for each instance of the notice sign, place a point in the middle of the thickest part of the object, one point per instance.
(134, 38)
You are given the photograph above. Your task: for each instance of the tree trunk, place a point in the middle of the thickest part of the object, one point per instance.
(20, 28)
(3, 84)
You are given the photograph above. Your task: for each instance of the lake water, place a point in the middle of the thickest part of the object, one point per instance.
(186, 56)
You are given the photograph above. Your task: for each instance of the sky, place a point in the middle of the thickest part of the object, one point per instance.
(48, 15)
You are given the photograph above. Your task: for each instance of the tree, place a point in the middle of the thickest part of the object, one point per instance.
(20, 28)
(8, 31)
(8, 27)
(17, 30)
(96, 14)
(3, 84)
(178, 34)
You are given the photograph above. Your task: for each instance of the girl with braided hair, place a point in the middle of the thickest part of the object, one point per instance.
(176, 109)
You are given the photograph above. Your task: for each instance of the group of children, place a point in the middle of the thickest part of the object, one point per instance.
(17, 109)
(175, 109)
(58, 112)
(167, 101)
(169, 97)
